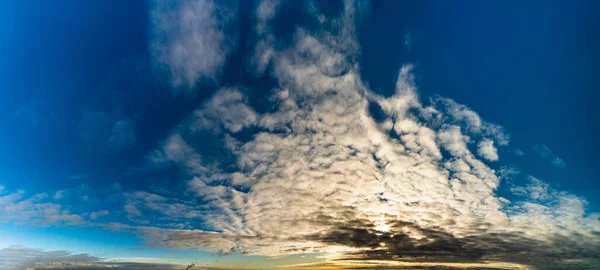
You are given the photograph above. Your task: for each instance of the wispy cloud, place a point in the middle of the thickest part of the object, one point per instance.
(37, 209)
(546, 153)
(17, 257)
(519, 152)
(189, 38)
(542, 150)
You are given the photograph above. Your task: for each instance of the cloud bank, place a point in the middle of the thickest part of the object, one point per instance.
(333, 167)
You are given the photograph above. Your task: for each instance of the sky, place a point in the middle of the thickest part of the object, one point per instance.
(202, 134)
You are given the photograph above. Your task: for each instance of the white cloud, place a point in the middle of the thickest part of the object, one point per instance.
(264, 49)
(486, 149)
(59, 194)
(228, 107)
(461, 114)
(97, 214)
(37, 209)
(189, 38)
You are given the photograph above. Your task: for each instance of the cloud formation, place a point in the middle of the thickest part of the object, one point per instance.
(190, 39)
(327, 165)
(39, 209)
(17, 257)
(333, 167)
(546, 153)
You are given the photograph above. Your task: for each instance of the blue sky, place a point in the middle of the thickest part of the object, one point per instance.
(152, 129)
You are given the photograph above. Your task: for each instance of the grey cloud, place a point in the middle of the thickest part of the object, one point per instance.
(189, 39)
(17, 257)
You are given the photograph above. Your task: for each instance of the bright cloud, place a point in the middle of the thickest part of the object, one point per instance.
(319, 172)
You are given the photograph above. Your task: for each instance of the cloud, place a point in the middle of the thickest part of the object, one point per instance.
(546, 153)
(327, 165)
(542, 150)
(190, 39)
(38, 209)
(97, 214)
(230, 111)
(142, 207)
(17, 257)
(519, 152)
(318, 171)
(486, 149)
